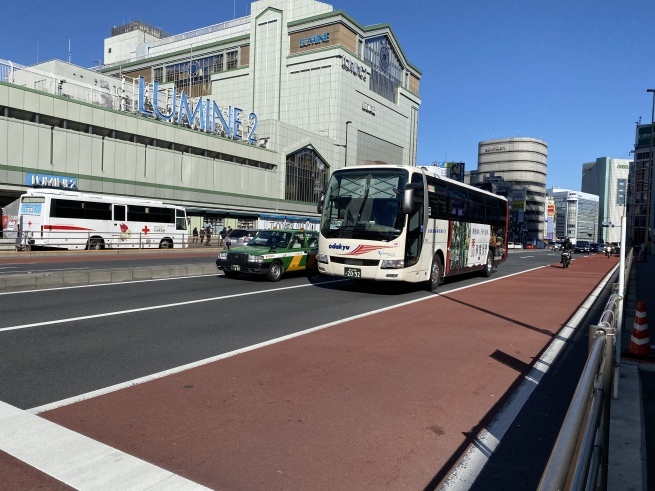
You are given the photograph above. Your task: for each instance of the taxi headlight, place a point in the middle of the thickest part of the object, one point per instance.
(322, 258)
(255, 259)
(222, 255)
(392, 264)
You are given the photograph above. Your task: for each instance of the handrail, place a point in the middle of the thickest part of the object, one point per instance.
(580, 455)
(97, 239)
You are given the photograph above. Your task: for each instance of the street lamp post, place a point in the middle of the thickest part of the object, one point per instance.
(648, 173)
(345, 147)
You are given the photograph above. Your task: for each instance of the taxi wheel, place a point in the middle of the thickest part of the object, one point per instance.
(275, 271)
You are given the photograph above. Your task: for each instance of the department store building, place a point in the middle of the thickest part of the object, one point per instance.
(242, 122)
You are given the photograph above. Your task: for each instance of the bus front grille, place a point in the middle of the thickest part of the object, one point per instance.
(354, 262)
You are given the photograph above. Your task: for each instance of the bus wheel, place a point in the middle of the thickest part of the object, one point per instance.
(275, 271)
(95, 245)
(166, 244)
(436, 273)
(489, 266)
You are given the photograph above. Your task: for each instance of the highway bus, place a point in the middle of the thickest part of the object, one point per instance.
(405, 223)
(74, 220)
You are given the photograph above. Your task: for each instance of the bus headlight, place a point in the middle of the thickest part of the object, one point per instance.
(322, 258)
(392, 264)
(255, 259)
(222, 256)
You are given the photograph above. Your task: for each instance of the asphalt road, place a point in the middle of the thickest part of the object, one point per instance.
(122, 331)
(63, 343)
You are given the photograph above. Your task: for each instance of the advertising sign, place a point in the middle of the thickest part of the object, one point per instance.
(518, 200)
(47, 181)
(550, 211)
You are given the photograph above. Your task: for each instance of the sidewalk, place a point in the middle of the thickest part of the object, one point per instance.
(632, 418)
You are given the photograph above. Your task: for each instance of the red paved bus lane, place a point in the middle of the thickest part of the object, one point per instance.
(385, 401)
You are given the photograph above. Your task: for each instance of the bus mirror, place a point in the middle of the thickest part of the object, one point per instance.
(408, 201)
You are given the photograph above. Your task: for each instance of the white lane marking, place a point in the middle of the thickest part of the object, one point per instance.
(189, 366)
(471, 465)
(8, 267)
(115, 283)
(79, 461)
(156, 307)
(525, 257)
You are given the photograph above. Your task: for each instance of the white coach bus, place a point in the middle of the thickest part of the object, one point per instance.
(73, 220)
(404, 223)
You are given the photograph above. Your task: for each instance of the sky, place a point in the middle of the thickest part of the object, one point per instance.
(573, 73)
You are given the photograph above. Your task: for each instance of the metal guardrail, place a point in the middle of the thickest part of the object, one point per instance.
(579, 459)
(96, 240)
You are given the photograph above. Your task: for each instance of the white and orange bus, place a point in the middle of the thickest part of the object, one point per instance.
(404, 223)
(74, 220)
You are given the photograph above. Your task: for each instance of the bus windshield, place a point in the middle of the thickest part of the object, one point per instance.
(364, 204)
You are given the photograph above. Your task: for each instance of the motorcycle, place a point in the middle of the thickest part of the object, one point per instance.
(566, 259)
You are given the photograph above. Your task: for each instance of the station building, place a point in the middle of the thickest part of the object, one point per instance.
(239, 122)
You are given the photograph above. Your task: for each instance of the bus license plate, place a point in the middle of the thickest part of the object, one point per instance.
(236, 267)
(352, 272)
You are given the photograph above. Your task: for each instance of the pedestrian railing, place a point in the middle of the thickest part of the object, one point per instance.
(579, 459)
(97, 240)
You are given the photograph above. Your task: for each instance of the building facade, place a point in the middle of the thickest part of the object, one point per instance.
(233, 120)
(607, 178)
(576, 214)
(523, 162)
(641, 205)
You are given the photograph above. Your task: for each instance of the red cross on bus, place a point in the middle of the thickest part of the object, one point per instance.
(145, 230)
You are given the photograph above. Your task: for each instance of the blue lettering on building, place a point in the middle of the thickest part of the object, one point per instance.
(47, 181)
(205, 115)
(318, 39)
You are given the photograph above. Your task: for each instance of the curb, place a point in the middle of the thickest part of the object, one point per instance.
(22, 282)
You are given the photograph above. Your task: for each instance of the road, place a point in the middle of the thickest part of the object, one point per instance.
(310, 382)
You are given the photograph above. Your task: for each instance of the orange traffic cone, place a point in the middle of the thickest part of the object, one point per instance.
(640, 341)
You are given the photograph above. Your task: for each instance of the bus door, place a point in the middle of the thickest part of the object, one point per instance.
(121, 233)
(415, 232)
(32, 216)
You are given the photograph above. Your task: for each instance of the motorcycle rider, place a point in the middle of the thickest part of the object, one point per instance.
(567, 247)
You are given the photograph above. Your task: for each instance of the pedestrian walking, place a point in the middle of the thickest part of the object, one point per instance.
(223, 234)
(195, 235)
(209, 234)
(202, 234)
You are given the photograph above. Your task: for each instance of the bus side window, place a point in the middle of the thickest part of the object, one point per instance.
(438, 199)
(119, 213)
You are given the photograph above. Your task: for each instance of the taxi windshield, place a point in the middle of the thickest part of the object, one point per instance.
(270, 238)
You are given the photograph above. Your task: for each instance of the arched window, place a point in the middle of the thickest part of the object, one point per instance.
(306, 175)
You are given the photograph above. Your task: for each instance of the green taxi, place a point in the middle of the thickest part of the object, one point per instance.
(271, 253)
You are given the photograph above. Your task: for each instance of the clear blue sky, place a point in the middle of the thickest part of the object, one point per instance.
(571, 72)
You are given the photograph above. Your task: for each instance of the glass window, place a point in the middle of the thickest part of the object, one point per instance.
(232, 59)
(306, 175)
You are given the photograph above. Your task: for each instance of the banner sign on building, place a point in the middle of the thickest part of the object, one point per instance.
(451, 170)
(518, 200)
(643, 136)
(550, 209)
(205, 115)
(47, 181)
